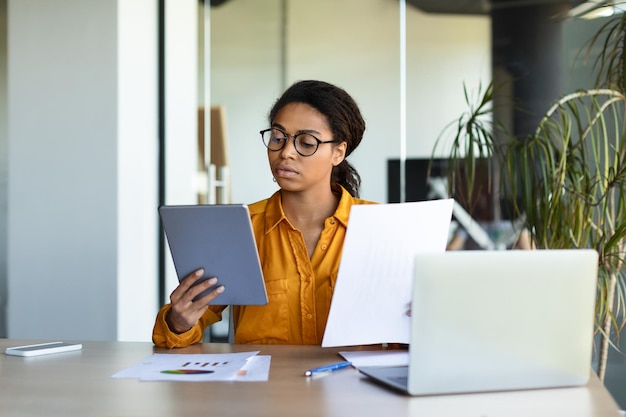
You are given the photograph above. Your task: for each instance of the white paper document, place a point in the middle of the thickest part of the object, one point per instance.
(243, 366)
(256, 369)
(362, 358)
(375, 279)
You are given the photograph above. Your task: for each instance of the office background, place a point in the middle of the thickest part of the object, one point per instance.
(80, 120)
(82, 126)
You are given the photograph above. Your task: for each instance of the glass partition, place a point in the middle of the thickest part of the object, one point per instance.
(259, 47)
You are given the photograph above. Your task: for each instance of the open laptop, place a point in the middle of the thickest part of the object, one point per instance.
(498, 320)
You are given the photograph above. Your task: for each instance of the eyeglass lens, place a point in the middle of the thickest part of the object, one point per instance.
(276, 139)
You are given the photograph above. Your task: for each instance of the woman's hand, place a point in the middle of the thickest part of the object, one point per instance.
(185, 312)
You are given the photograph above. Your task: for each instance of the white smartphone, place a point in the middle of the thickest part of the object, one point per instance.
(42, 349)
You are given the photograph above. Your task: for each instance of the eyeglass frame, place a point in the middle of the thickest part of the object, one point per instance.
(295, 135)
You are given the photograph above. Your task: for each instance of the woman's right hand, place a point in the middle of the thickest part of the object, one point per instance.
(185, 312)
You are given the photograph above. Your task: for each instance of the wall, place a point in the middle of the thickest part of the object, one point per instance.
(136, 176)
(82, 140)
(181, 111)
(62, 151)
(356, 45)
(4, 161)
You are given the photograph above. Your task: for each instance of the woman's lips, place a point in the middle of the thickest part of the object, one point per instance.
(285, 171)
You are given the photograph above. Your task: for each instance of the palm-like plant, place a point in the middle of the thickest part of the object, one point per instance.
(568, 178)
(573, 190)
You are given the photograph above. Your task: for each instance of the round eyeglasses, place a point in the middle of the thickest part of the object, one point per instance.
(305, 143)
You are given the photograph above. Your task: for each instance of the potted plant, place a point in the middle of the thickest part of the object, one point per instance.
(568, 179)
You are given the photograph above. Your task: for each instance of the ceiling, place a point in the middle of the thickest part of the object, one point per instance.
(483, 6)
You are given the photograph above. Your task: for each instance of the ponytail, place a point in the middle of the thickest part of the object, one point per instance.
(345, 175)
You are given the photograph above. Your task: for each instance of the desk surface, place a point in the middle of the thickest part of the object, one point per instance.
(80, 384)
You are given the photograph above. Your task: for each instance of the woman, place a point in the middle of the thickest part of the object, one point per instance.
(299, 230)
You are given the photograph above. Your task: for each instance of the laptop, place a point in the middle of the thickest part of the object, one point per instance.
(497, 321)
(220, 239)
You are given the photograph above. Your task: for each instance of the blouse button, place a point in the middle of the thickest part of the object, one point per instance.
(324, 246)
(309, 316)
(332, 221)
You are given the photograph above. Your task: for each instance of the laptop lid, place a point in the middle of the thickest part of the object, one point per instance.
(220, 239)
(500, 320)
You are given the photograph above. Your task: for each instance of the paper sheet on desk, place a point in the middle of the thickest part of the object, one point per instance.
(243, 366)
(256, 369)
(377, 357)
(375, 279)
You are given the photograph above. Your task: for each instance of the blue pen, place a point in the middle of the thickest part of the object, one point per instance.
(328, 368)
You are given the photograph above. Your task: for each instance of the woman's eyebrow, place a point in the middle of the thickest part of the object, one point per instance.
(281, 127)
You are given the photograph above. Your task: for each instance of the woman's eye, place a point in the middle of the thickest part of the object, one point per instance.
(277, 139)
(307, 141)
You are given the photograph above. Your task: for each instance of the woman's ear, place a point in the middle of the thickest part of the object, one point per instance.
(339, 153)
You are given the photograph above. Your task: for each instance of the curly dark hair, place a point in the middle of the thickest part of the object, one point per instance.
(344, 119)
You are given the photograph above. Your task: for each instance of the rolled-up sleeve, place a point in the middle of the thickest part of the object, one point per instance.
(162, 336)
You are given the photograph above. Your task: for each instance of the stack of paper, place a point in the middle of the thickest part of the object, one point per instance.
(244, 366)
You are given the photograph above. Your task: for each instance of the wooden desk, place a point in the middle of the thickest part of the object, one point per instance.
(79, 384)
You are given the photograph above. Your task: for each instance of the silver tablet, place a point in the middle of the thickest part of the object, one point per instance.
(218, 238)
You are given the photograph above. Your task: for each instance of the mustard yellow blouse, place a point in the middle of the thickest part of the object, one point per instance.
(299, 288)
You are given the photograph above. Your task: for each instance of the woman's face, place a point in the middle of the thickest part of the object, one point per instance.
(292, 171)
